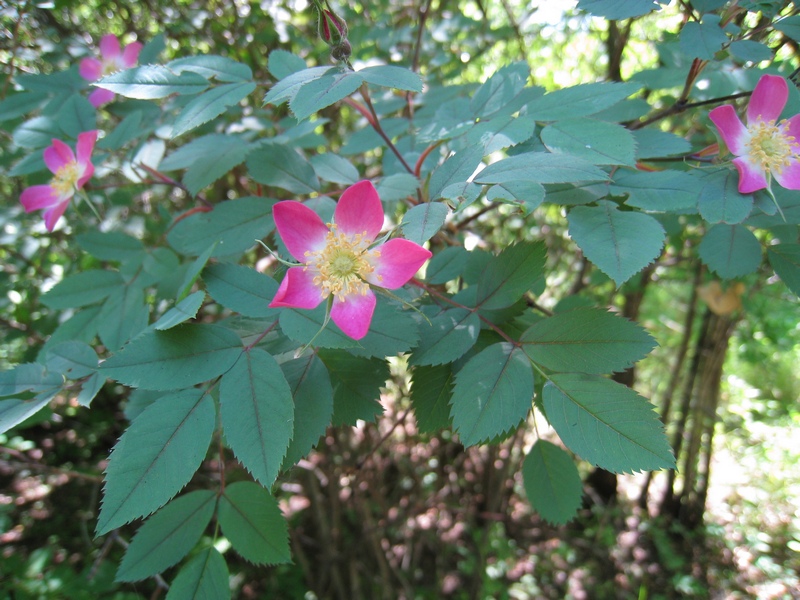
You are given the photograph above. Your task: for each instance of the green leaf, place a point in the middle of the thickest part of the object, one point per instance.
(447, 265)
(493, 393)
(391, 76)
(334, 168)
(510, 274)
(750, 50)
(82, 289)
(111, 245)
(586, 340)
(356, 385)
(540, 167)
(501, 132)
(234, 224)
(36, 133)
(662, 191)
(282, 63)
(720, 200)
(397, 187)
(193, 271)
(20, 103)
(127, 130)
(229, 153)
(580, 100)
(241, 289)
(431, 389)
(456, 169)
(789, 26)
(702, 40)
(423, 221)
(303, 325)
(619, 243)
(552, 482)
(287, 87)
(77, 115)
(257, 414)
(251, 519)
(203, 577)
(654, 143)
(785, 259)
(149, 82)
(14, 411)
(606, 423)
(156, 456)
(167, 536)
(324, 91)
(284, 168)
(209, 65)
(179, 357)
(72, 359)
(448, 337)
(210, 105)
(124, 314)
(391, 332)
(618, 9)
(152, 49)
(183, 311)
(313, 405)
(528, 194)
(597, 142)
(730, 250)
(502, 92)
(90, 388)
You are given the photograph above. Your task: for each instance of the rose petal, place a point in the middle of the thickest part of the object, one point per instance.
(38, 197)
(131, 54)
(300, 228)
(768, 99)
(85, 146)
(751, 176)
(354, 314)
(109, 46)
(100, 97)
(297, 290)
(360, 210)
(399, 261)
(57, 155)
(789, 177)
(91, 69)
(51, 216)
(731, 129)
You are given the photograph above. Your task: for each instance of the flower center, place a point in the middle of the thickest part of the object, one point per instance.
(770, 146)
(342, 264)
(65, 180)
(111, 65)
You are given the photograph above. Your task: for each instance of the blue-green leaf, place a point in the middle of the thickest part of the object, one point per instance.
(431, 389)
(510, 274)
(149, 82)
(203, 577)
(552, 482)
(720, 200)
(597, 142)
(82, 289)
(287, 87)
(456, 169)
(209, 65)
(241, 289)
(210, 105)
(660, 191)
(180, 313)
(580, 100)
(785, 259)
(424, 221)
(730, 250)
(282, 63)
(618, 9)
(356, 385)
(110, 245)
(72, 359)
(392, 76)
(448, 337)
(540, 167)
(702, 40)
(156, 456)
(282, 167)
(76, 116)
(324, 91)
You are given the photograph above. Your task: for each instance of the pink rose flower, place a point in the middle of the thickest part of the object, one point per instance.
(112, 59)
(70, 173)
(764, 148)
(338, 259)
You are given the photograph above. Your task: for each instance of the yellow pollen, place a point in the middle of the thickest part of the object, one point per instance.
(342, 265)
(770, 146)
(65, 179)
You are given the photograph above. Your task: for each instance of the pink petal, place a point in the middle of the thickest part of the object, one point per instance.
(85, 146)
(297, 290)
(791, 127)
(399, 261)
(751, 177)
(360, 210)
(37, 197)
(109, 46)
(86, 173)
(300, 228)
(731, 129)
(131, 54)
(354, 314)
(100, 97)
(57, 155)
(789, 177)
(51, 216)
(91, 69)
(768, 99)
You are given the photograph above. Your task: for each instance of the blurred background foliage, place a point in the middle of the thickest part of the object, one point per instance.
(382, 511)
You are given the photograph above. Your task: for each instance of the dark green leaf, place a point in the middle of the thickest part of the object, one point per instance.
(654, 143)
(179, 357)
(90, 388)
(251, 519)
(431, 388)
(447, 337)
(606, 423)
(203, 577)
(193, 271)
(446, 265)
(156, 456)
(167, 536)
(580, 100)
(124, 315)
(552, 482)
(241, 289)
(619, 243)
(502, 91)
(785, 259)
(76, 116)
(303, 325)
(586, 340)
(720, 200)
(750, 50)
(17, 104)
(661, 191)
(36, 133)
(284, 168)
(324, 91)
(152, 81)
(356, 385)
(72, 359)
(287, 87)
(456, 169)
(13, 412)
(528, 194)
(730, 250)
(397, 186)
(257, 414)
(110, 245)
(493, 393)
(391, 332)
(82, 289)
(210, 105)
(510, 274)
(540, 167)
(183, 311)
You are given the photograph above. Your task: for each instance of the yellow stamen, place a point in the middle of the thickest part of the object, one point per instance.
(770, 146)
(342, 265)
(65, 179)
